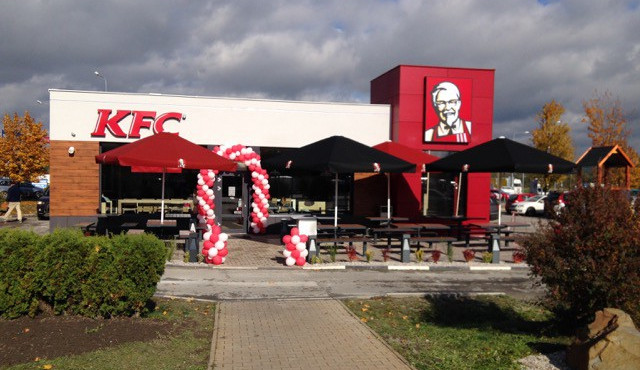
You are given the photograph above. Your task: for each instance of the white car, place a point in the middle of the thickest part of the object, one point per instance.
(508, 190)
(531, 207)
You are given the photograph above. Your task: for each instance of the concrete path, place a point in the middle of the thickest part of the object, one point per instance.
(311, 334)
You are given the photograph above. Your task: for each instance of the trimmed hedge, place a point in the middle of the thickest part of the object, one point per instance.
(73, 273)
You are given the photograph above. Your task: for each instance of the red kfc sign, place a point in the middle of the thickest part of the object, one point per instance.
(140, 120)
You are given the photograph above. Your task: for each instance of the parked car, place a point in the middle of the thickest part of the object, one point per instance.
(514, 199)
(5, 182)
(551, 202)
(508, 190)
(30, 191)
(531, 207)
(494, 208)
(42, 205)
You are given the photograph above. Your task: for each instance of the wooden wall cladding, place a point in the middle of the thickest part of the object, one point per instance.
(75, 179)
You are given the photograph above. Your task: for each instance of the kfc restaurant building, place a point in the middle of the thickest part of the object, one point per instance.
(433, 109)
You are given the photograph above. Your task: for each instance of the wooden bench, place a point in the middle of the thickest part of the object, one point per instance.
(349, 241)
(135, 231)
(431, 240)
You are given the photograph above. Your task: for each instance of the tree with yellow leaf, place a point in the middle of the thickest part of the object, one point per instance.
(553, 136)
(607, 127)
(24, 148)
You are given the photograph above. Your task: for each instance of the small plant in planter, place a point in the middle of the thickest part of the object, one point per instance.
(518, 256)
(385, 255)
(316, 260)
(352, 254)
(469, 254)
(435, 256)
(332, 252)
(487, 257)
(419, 255)
(369, 255)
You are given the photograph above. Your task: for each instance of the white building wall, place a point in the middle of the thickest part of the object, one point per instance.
(213, 121)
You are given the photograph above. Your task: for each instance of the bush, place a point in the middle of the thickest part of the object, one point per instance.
(589, 255)
(17, 291)
(71, 273)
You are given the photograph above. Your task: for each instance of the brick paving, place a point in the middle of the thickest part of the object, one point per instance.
(311, 334)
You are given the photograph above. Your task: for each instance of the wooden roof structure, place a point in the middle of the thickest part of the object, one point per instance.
(603, 158)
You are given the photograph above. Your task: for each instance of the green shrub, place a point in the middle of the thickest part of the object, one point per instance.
(72, 273)
(60, 269)
(589, 255)
(17, 291)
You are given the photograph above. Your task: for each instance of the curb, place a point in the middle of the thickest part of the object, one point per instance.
(385, 268)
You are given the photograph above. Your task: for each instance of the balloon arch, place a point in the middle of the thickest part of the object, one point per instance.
(214, 247)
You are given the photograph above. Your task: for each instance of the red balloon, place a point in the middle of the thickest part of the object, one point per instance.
(294, 231)
(223, 252)
(290, 247)
(210, 221)
(217, 259)
(210, 183)
(201, 192)
(300, 261)
(214, 238)
(205, 252)
(207, 244)
(295, 253)
(203, 172)
(286, 239)
(304, 238)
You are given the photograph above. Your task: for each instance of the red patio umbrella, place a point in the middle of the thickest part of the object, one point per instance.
(164, 152)
(411, 155)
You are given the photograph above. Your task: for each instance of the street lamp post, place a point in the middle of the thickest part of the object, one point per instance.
(102, 77)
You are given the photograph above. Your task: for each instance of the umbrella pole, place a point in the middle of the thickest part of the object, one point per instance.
(389, 199)
(499, 202)
(425, 207)
(162, 201)
(458, 197)
(335, 206)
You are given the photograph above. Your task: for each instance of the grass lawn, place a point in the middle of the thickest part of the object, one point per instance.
(461, 333)
(187, 346)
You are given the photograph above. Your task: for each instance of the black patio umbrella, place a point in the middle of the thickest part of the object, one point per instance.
(502, 155)
(337, 154)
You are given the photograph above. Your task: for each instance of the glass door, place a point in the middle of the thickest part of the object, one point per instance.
(232, 205)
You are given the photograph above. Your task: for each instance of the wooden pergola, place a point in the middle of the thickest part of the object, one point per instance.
(604, 158)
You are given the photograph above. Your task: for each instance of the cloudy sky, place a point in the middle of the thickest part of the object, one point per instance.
(324, 50)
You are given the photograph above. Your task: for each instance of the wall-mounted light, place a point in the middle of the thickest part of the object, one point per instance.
(72, 151)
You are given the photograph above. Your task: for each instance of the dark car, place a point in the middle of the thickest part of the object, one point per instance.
(30, 191)
(43, 205)
(494, 208)
(551, 202)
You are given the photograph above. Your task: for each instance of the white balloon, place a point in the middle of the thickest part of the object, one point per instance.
(300, 246)
(200, 181)
(201, 202)
(206, 235)
(256, 229)
(224, 259)
(265, 201)
(290, 261)
(209, 192)
(263, 220)
(256, 209)
(210, 213)
(258, 191)
(247, 162)
(267, 186)
(253, 224)
(259, 214)
(295, 239)
(205, 187)
(223, 237)
(261, 196)
(286, 253)
(212, 252)
(260, 177)
(265, 182)
(219, 244)
(254, 174)
(232, 156)
(211, 174)
(304, 253)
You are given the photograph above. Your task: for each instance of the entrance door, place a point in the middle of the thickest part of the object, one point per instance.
(232, 208)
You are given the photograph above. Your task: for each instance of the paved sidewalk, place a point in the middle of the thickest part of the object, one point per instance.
(311, 334)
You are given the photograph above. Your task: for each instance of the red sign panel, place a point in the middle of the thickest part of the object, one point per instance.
(447, 110)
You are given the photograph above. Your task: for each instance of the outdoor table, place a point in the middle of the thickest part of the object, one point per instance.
(390, 231)
(408, 225)
(162, 227)
(385, 220)
(351, 228)
(505, 228)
